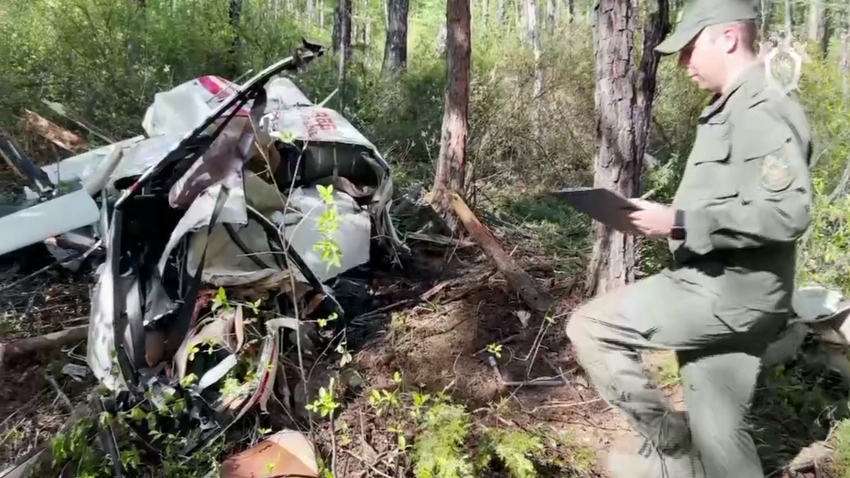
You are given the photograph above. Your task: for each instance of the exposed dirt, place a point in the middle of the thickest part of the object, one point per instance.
(437, 344)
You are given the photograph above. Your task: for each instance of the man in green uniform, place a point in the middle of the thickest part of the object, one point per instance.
(742, 204)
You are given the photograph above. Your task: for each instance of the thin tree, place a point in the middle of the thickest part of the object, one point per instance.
(342, 44)
(623, 109)
(395, 51)
(451, 164)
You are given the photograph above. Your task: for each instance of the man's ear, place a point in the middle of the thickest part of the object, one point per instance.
(731, 38)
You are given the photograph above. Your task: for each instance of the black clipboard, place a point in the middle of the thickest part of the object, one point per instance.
(603, 205)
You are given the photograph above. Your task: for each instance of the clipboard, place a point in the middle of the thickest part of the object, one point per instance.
(603, 205)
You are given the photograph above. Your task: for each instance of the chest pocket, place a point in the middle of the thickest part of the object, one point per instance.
(711, 175)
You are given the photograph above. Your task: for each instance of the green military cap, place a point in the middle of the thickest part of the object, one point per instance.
(699, 14)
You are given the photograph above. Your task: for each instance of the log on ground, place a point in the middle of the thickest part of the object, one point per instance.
(523, 284)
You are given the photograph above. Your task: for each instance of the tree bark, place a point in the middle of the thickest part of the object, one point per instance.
(321, 13)
(571, 11)
(395, 51)
(311, 11)
(342, 44)
(617, 164)
(551, 15)
(235, 17)
(533, 35)
(789, 16)
(655, 28)
(342, 28)
(54, 340)
(815, 20)
(451, 165)
(845, 62)
(500, 11)
(826, 30)
(765, 7)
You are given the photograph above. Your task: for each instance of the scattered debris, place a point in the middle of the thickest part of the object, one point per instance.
(286, 453)
(218, 240)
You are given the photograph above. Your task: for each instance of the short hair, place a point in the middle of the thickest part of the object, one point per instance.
(746, 28)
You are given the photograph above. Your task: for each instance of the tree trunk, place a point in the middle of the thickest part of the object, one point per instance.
(789, 23)
(342, 44)
(617, 163)
(342, 28)
(311, 11)
(533, 36)
(815, 20)
(322, 14)
(571, 10)
(519, 20)
(826, 30)
(451, 165)
(500, 11)
(486, 8)
(235, 17)
(765, 7)
(656, 27)
(845, 63)
(551, 15)
(395, 51)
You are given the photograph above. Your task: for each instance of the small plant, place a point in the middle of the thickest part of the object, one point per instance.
(495, 349)
(439, 450)
(325, 404)
(841, 462)
(328, 225)
(324, 322)
(515, 449)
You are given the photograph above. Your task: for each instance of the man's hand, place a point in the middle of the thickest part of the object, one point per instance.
(653, 219)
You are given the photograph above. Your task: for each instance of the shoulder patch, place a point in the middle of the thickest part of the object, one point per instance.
(775, 174)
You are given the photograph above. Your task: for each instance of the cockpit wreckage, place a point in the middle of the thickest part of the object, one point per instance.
(218, 233)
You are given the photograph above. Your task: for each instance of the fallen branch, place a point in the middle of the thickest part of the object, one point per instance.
(522, 283)
(565, 405)
(62, 397)
(538, 382)
(372, 467)
(52, 132)
(439, 240)
(53, 340)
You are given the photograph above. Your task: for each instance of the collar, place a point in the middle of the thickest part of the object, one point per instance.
(750, 78)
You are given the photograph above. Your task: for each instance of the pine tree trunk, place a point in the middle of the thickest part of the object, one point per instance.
(814, 20)
(533, 35)
(789, 23)
(845, 63)
(765, 7)
(395, 51)
(826, 30)
(451, 165)
(342, 44)
(551, 15)
(235, 16)
(617, 165)
(656, 27)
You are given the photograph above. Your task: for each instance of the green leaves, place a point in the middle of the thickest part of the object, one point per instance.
(325, 403)
(220, 300)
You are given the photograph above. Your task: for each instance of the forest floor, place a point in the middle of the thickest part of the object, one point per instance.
(447, 343)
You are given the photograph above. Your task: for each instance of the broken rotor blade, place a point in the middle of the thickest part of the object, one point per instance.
(50, 218)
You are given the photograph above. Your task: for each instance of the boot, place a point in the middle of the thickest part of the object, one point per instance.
(636, 457)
